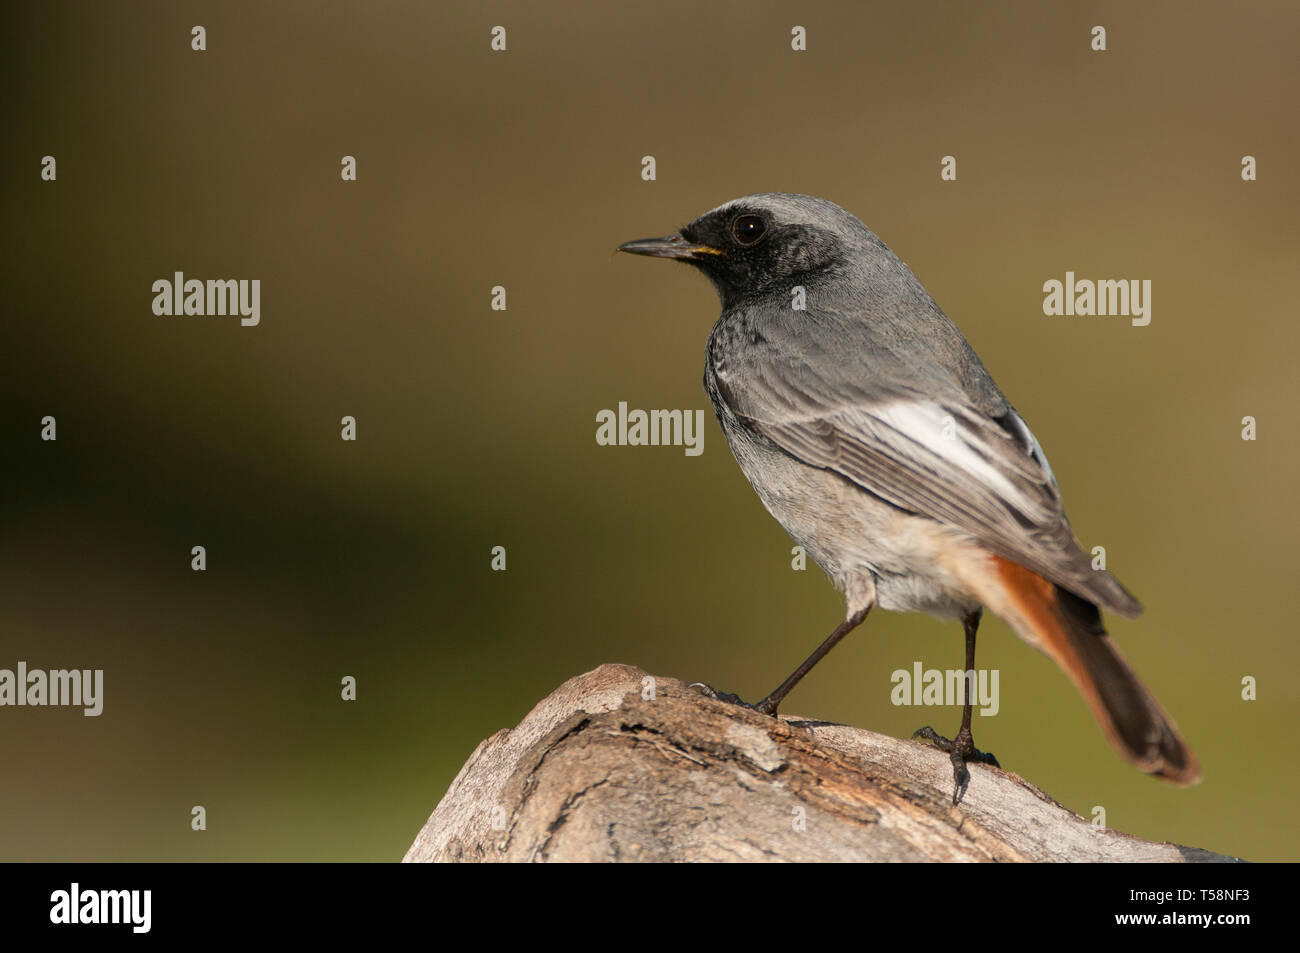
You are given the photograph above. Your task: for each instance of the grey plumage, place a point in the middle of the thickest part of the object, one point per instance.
(872, 432)
(839, 386)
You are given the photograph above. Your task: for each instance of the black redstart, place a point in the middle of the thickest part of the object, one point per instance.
(871, 431)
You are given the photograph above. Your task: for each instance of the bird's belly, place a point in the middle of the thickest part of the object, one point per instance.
(849, 532)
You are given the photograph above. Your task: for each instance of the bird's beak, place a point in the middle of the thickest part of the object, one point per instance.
(670, 246)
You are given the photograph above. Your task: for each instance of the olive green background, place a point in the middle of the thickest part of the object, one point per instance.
(476, 427)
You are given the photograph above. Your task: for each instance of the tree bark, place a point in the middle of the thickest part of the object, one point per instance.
(617, 766)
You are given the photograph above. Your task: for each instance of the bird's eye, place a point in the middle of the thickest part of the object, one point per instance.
(748, 229)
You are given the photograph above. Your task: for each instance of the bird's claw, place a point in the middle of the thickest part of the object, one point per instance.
(960, 750)
(709, 691)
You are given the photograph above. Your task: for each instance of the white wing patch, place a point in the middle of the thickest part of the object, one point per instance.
(950, 438)
(1035, 448)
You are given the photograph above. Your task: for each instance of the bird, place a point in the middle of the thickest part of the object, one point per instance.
(872, 432)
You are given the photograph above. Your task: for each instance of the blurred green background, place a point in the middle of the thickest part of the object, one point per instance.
(476, 427)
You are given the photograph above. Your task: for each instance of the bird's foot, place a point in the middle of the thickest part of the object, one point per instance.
(960, 749)
(710, 692)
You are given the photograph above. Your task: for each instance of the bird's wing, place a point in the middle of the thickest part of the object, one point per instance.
(934, 455)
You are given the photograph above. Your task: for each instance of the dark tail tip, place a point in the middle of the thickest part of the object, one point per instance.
(1139, 728)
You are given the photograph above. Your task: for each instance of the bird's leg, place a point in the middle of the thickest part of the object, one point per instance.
(962, 748)
(769, 704)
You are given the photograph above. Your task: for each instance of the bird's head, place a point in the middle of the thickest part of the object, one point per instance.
(762, 243)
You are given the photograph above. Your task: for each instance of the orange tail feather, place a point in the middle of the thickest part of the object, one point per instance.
(1068, 630)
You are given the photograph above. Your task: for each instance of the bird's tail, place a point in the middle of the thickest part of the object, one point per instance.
(1068, 630)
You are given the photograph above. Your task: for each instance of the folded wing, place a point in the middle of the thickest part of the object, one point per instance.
(935, 455)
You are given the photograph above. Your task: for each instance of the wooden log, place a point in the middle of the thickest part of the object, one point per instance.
(617, 766)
